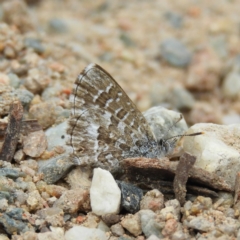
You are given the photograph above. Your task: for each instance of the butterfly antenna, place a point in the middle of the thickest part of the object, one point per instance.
(184, 135)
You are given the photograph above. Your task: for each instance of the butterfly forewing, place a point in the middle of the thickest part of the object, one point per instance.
(105, 125)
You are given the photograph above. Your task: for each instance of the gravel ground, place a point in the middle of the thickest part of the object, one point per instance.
(180, 55)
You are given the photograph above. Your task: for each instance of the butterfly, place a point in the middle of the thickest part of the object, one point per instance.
(105, 126)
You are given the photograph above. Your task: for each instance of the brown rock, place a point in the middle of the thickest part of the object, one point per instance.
(34, 144)
(73, 201)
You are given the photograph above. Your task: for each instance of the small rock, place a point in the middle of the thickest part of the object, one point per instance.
(19, 155)
(217, 150)
(149, 224)
(35, 201)
(79, 177)
(175, 53)
(56, 135)
(152, 200)
(12, 222)
(117, 230)
(54, 235)
(170, 228)
(205, 112)
(159, 93)
(3, 205)
(102, 226)
(35, 143)
(176, 206)
(105, 195)
(9, 52)
(175, 19)
(85, 233)
(205, 71)
(130, 197)
(200, 223)
(163, 124)
(11, 173)
(35, 44)
(153, 237)
(132, 224)
(91, 220)
(24, 96)
(53, 216)
(111, 219)
(58, 25)
(181, 99)
(73, 201)
(55, 168)
(41, 112)
(14, 80)
(37, 80)
(231, 85)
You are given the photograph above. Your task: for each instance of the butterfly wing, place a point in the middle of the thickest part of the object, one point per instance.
(105, 125)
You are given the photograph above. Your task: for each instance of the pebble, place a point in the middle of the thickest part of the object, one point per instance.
(163, 123)
(149, 224)
(35, 201)
(130, 196)
(11, 173)
(204, 72)
(180, 98)
(37, 80)
(41, 112)
(53, 216)
(56, 135)
(231, 85)
(159, 93)
(24, 96)
(80, 177)
(205, 112)
(35, 143)
(12, 222)
(58, 25)
(175, 53)
(132, 224)
(217, 150)
(174, 18)
(35, 44)
(55, 168)
(91, 220)
(73, 201)
(153, 200)
(111, 219)
(85, 233)
(14, 80)
(117, 230)
(105, 195)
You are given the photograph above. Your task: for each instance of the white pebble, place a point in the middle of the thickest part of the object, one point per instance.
(105, 194)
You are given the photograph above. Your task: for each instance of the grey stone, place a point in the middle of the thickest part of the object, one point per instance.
(35, 44)
(14, 80)
(149, 224)
(55, 168)
(175, 53)
(24, 96)
(58, 25)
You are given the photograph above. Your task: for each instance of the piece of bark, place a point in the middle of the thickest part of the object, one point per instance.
(12, 132)
(237, 188)
(185, 164)
(147, 170)
(166, 188)
(27, 126)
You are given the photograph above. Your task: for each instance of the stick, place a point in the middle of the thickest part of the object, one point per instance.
(12, 132)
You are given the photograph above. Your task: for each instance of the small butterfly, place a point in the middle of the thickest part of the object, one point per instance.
(106, 126)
